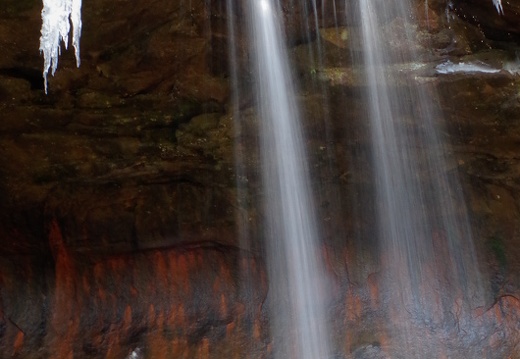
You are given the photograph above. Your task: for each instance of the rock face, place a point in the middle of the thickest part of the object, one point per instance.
(482, 14)
(123, 212)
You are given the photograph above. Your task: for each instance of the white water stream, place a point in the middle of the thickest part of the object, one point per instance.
(426, 247)
(297, 284)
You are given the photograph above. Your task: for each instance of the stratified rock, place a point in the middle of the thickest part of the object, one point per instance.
(123, 214)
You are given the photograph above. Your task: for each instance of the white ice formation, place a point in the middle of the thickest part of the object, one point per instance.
(57, 16)
(498, 5)
(449, 67)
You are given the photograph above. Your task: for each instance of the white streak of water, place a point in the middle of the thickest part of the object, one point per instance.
(425, 239)
(297, 285)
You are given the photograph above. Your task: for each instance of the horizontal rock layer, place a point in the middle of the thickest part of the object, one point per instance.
(122, 209)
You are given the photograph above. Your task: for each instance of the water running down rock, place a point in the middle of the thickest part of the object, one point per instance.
(120, 210)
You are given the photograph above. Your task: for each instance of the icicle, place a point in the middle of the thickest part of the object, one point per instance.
(57, 15)
(498, 5)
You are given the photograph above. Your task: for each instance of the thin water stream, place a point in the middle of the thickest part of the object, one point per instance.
(296, 278)
(426, 246)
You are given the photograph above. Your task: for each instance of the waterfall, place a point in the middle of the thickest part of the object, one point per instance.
(297, 284)
(427, 257)
(424, 233)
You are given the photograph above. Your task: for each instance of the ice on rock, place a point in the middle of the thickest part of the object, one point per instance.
(449, 67)
(498, 6)
(57, 17)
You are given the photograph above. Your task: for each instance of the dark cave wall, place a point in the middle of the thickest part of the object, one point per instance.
(120, 214)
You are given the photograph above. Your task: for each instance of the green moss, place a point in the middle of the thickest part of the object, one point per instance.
(15, 7)
(54, 173)
(497, 247)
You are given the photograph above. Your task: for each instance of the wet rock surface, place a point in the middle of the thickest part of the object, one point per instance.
(497, 26)
(121, 204)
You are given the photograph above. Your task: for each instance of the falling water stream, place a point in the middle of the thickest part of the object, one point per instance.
(423, 228)
(425, 242)
(297, 281)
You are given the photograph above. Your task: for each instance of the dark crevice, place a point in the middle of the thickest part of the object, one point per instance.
(33, 76)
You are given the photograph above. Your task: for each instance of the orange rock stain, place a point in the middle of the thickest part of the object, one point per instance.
(18, 342)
